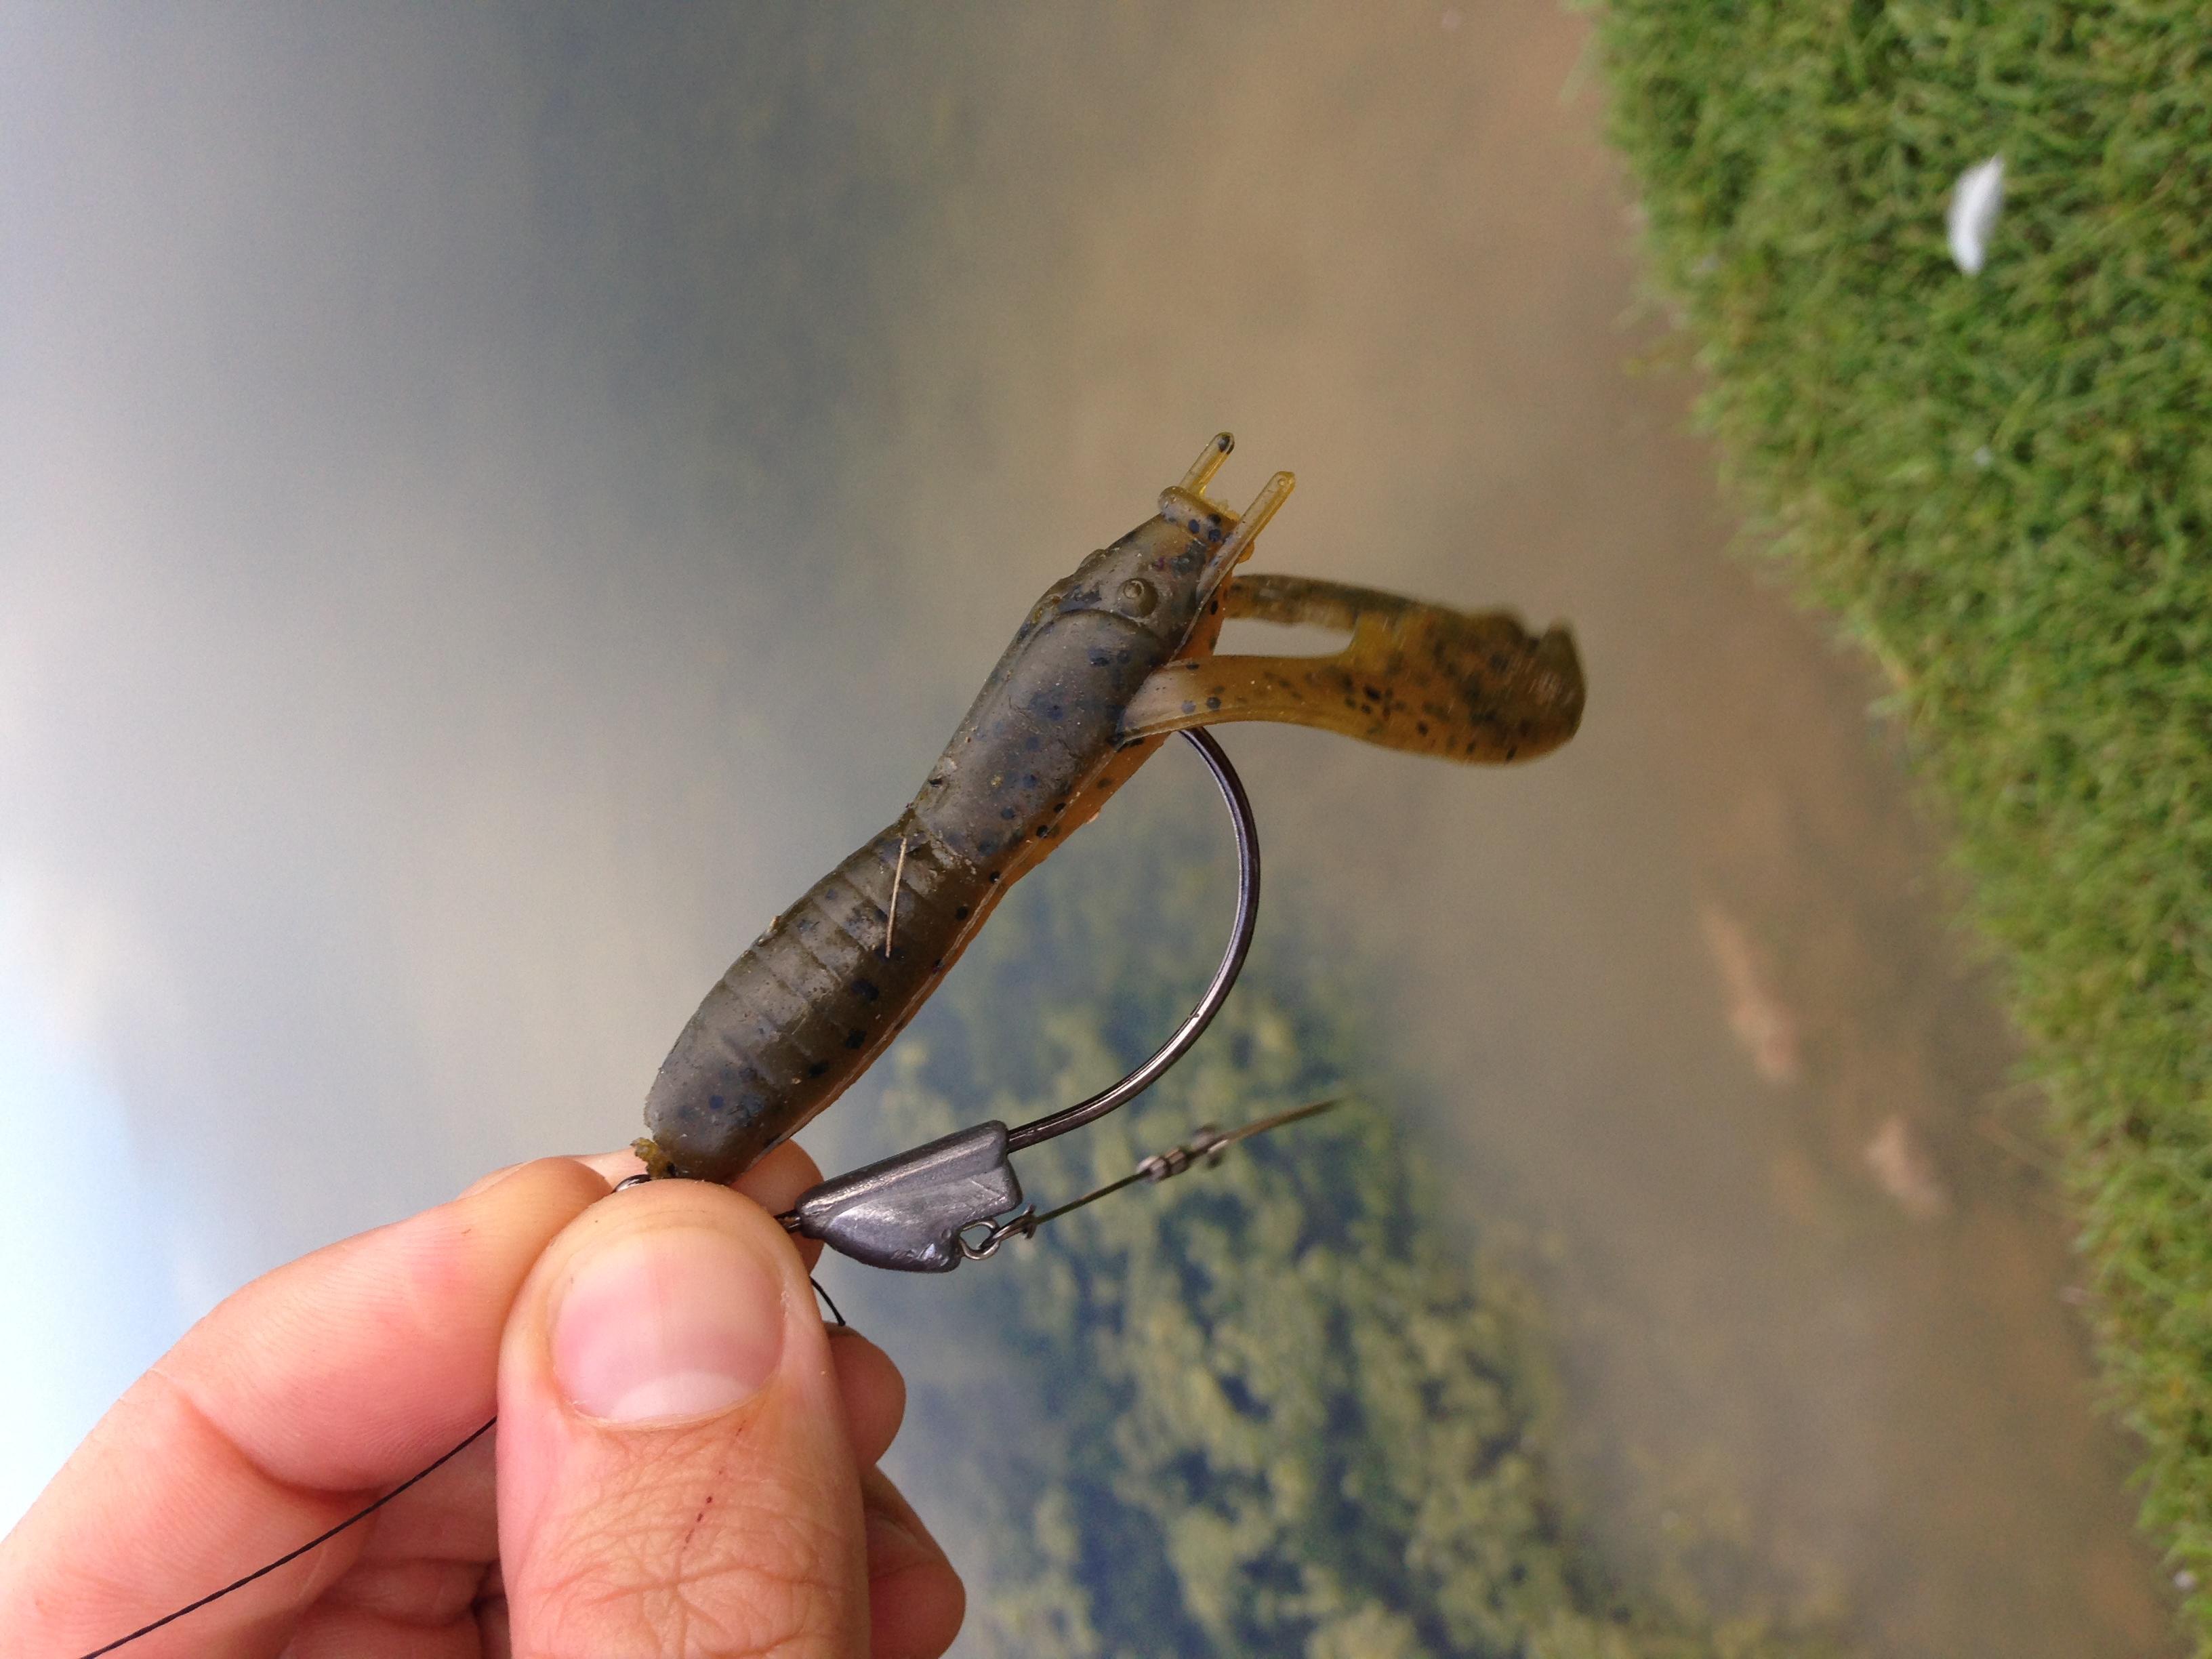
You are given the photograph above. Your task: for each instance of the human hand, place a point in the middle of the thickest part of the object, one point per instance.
(685, 1458)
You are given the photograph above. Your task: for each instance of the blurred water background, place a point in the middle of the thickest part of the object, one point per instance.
(496, 500)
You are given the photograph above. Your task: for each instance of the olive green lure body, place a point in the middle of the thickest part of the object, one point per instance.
(1112, 658)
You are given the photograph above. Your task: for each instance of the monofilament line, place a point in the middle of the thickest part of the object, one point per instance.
(287, 1559)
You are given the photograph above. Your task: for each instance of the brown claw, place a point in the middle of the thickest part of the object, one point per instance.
(1471, 687)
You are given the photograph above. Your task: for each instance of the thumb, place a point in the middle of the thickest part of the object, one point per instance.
(674, 1474)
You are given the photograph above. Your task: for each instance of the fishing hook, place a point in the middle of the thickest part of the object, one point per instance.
(913, 1211)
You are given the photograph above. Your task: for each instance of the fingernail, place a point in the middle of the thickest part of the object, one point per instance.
(676, 1323)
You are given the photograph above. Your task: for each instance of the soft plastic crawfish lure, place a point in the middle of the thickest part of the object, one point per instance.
(1113, 658)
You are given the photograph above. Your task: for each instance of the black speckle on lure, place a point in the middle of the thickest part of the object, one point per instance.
(1094, 678)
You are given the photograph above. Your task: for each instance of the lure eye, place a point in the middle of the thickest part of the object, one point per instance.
(1138, 598)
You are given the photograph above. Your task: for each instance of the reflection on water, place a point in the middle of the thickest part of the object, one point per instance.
(504, 498)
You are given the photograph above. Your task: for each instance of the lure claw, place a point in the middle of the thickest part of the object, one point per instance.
(1475, 686)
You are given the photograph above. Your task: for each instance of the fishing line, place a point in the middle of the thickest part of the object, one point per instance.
(360, 1515)
(291, 1556)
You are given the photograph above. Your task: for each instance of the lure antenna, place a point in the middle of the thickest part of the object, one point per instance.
(1272, 495)
(1187, 502)
(1208, 463)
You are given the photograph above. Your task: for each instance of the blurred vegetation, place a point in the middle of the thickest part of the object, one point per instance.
(2002, 485)
(1270, 1407)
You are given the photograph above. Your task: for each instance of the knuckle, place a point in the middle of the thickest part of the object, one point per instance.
(705, 1564)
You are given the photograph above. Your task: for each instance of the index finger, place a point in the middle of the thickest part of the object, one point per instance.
(308, 1393)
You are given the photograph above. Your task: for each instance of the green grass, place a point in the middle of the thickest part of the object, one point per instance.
(2001, 485)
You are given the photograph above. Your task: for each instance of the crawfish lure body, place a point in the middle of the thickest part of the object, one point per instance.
(1110, 661)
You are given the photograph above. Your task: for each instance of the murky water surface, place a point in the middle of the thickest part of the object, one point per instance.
(502, 501)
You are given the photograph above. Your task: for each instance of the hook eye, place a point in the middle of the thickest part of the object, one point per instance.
(991, 1234)
(983, 1247)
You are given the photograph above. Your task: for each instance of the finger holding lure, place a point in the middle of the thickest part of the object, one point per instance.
(1111, 659)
